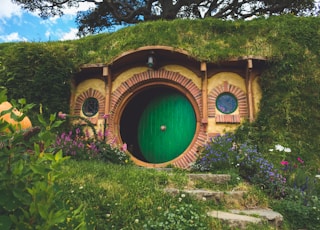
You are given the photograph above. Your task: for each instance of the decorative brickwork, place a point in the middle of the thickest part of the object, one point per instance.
(83, 96)
(169, 78)
(242, 103)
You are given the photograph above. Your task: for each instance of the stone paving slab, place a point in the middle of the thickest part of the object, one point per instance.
(273, 217)
(235, 220)
(213, 178)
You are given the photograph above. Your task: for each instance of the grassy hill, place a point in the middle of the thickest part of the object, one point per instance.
(290, 103)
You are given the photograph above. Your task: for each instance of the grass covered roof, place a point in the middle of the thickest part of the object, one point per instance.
(290, 104)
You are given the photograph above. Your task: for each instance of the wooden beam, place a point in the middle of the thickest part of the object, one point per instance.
(107, 74)
(249, 79)
(204, 89)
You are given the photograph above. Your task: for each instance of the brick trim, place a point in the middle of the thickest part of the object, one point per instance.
(86, 94)
(162, 76)
(242, 103)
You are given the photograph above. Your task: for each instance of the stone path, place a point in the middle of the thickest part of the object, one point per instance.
(234, 218)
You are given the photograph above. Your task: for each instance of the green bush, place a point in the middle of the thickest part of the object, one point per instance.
(30, 196)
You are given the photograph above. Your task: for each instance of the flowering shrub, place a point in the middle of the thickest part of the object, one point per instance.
(254, 167)
(223, 154)
(218, 155)
(79, 144)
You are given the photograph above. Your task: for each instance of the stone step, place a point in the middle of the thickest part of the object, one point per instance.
(213, 178)
(241, 218)
(234, 220)
(274, 218)
(203, 194)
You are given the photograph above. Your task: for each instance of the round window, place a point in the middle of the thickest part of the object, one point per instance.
(90, 107)
(226, 103)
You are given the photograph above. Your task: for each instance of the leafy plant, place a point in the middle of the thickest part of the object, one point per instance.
(30, 197)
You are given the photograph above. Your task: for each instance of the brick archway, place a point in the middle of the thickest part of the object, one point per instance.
(238, 93)
(185, 85)
(87, 94)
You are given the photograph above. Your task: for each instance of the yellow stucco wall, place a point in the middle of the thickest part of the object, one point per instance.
(96, 84)
(186, 73)
(126, 75)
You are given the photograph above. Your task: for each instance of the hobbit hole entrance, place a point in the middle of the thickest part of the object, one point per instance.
(158, 124)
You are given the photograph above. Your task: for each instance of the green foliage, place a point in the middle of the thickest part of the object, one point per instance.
(38, 72)
(30, 196)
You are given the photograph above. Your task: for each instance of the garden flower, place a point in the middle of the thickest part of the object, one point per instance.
(287, 150)
(105, 116)
(300, 160)
(62, 115)
(279, 147)
(124, 147)
(284, 162)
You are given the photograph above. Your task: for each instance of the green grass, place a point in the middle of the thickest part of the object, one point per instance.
(130, 197)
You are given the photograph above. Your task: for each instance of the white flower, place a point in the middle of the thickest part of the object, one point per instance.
(204, 199)
(136, 221)
(108, 215)
(279, 147)
(270, 150)
(81, 187)
(287, 150)
(183, 195)
(180, 199)
(318, 176)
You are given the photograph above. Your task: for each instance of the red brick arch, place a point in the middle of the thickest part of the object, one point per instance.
(237, 92)
(86, 94)
(163, 77)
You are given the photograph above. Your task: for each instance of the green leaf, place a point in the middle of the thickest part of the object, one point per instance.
(43, 211)
(38, 169)
(22, 101)
(57, 124)
(18, 167)
(5, 222)
(3, 95)
(58, 217)
(3, 112)
(52, 117)
(41, 120)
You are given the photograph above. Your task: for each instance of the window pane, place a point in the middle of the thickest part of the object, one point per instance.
(226, 103)
(90, 107)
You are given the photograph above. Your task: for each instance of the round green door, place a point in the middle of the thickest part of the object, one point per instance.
(166, 127)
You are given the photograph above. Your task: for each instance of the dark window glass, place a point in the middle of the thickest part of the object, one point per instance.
(90, 107)
(226, 103)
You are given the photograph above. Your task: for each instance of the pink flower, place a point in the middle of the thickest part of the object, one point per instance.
(300, 160)
(284, 162)
(124, 147)
(62, 115)
(105, 116)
